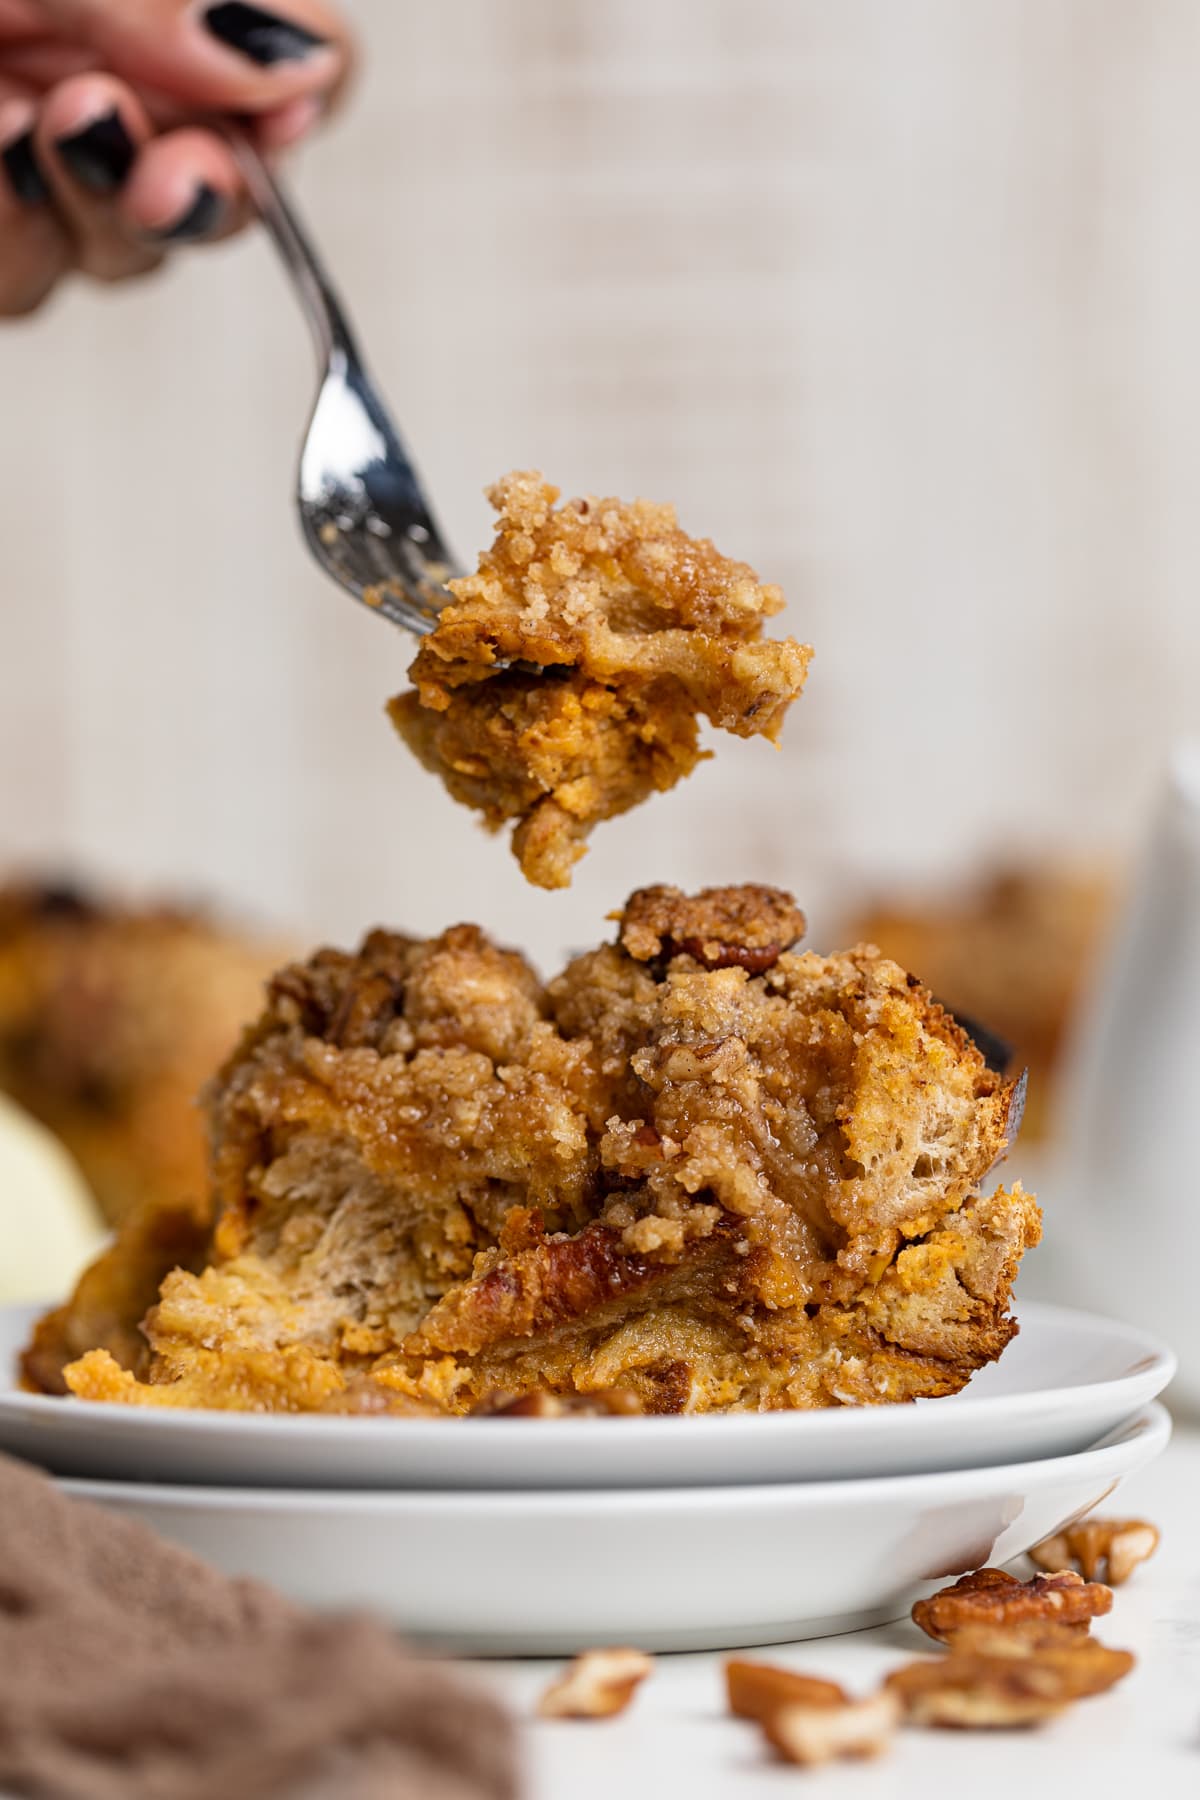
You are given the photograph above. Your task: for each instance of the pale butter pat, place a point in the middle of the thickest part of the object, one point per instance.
(49, 1225)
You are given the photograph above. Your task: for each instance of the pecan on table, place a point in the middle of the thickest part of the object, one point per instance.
(758, 1689)
(598, 1684)
(822, 1733)
(1115, 1545)
(993, 1599)
(996, 1679)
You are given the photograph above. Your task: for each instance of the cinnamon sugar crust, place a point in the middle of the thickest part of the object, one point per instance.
(566, 681)
(697, 1180)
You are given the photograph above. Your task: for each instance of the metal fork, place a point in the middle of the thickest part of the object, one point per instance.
(362, 511)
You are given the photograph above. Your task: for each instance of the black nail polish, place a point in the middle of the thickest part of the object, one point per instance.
(199, 221)
(101, 155)
(262, 36)
(21, 166)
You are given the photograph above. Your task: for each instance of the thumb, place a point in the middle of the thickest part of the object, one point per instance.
(216, 55)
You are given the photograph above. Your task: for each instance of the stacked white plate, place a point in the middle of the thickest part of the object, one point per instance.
(526, 1536)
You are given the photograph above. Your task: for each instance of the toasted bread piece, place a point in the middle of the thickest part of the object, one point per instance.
(1015, 954)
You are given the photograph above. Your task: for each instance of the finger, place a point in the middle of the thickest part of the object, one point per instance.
(220, 55)
(20, 19)
(279, 130)
(185, 187)
(36, 251)
(25, 180)
(44, 62)
(89, 132)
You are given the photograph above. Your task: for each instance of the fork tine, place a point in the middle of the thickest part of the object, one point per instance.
(362, 508)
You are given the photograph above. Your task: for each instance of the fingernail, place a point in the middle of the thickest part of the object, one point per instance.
(21, 166)
(201, 218)
(262, 36)
(279, 130)
(101, 155)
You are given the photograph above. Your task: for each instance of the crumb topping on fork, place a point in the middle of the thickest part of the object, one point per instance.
(566, 681)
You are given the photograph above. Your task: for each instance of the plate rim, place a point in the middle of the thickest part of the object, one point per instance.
(1157, 1356)
(1152, 1424)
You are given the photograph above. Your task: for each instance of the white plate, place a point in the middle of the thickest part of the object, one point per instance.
(669, 1569)
(1065, 1380)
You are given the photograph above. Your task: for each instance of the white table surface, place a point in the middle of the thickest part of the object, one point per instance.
(1142, 1739)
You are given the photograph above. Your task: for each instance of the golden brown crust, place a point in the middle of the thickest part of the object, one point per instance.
(438, 1180)
(115, 1293)
(565, 682)
(1014, 953)
(608, 1403)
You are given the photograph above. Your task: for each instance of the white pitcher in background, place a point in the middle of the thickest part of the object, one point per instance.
(1129, 1205)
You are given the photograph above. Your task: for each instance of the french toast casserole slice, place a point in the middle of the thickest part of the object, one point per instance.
(699, 1168)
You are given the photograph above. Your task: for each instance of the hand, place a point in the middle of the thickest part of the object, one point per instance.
(100, 169)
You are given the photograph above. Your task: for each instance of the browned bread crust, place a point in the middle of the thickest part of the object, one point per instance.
(1016, 953)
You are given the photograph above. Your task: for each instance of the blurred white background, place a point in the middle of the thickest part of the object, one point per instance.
(896, 299)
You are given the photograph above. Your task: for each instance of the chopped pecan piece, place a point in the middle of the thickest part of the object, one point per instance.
(746, 927)
(758, 1689)
(1082, 1665)
(1116, 1545)
(994, 1679)
(821, 1733)
(992, 1599)
(598, 1684)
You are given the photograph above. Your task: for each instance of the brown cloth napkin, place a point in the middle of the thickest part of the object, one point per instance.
(130, 1670)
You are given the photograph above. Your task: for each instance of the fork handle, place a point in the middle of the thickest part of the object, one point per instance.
(326, 315)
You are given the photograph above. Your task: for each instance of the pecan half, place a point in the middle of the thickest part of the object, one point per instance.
(721, 928)
(1082, 1665)
(992, 1679)
(1116, 1545)
(993, 1599)
(598, 1684)
(822, 1733)
(758, 1689)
